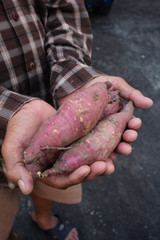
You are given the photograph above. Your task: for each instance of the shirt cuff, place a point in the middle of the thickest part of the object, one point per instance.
(10, 103)
(68, 76)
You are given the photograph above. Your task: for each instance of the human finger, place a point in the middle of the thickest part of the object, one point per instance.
(15, 169)
(127, 91)
(65, 181)
(113, 156)
(100, 168)
(130, 135)
(135, 123)
(123, 148)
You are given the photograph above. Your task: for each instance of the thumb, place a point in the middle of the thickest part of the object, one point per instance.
(140, 101)
(15, 169)
(23, 179)
(126, 91)
(130, 93)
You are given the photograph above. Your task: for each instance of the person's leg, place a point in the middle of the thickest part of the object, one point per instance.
(42, 213)
(9, 204)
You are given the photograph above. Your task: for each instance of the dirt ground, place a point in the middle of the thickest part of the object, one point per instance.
(126, 204)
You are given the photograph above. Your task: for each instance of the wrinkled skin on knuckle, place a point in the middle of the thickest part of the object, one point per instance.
(135, 92)
(138, 92)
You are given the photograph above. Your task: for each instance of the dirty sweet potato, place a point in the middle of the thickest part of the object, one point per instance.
(114, 104)
(50, 153)
(75, 117)
(95, 146)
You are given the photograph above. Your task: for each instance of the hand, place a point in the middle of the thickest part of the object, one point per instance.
(82, 174)
(127, 92)
(100, 168)
(20, 130)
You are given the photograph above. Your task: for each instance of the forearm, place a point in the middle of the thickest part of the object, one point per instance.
(69, 46)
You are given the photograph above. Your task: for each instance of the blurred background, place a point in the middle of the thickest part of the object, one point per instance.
(126, 204)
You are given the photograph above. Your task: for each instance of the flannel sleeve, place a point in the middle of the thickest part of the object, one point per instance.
(69, 46)
(10, 103)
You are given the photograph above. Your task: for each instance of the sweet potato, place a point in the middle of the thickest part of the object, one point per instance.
(114, 104)
(76, 117)
(95, 146)
(46, 155)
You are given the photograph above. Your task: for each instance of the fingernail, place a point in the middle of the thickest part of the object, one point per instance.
(149, 102)
(22, 186)
(108, 84)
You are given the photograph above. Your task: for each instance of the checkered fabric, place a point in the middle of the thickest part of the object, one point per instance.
(45, 51)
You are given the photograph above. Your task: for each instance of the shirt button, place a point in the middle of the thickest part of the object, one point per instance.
(32, 65)
(15, 16)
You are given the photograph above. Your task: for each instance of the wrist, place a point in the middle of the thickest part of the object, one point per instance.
(92, 81)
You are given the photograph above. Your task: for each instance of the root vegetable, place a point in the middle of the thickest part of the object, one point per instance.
(95, 146)
(114, 104)
(61, 129)
(74, 119)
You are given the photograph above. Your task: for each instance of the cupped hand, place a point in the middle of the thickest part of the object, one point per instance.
(100, 168)
(20, 130)
(25, 123)
(107, 166)
(127, 92)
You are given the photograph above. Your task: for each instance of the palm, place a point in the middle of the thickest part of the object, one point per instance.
(30, 118)
(20, 130)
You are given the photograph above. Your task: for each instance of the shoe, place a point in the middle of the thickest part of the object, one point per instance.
(59, 232)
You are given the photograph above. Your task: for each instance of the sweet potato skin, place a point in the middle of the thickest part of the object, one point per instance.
(74, 119)
(114, 104)
(96, 146)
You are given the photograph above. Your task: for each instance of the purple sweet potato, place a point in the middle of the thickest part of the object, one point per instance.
(95, 146)
(75, 118)
(114, 104)
(40, 154)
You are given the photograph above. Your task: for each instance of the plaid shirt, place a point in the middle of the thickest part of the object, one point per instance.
(45, 50)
